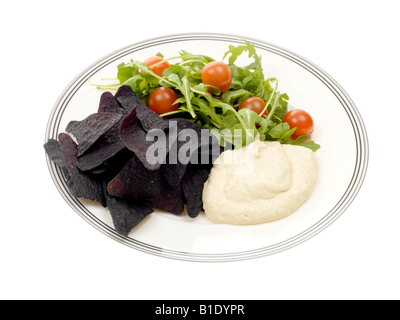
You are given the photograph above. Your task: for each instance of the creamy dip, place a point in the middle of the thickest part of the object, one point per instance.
(258, 183)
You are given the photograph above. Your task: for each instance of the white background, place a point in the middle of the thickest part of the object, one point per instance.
(48, 252)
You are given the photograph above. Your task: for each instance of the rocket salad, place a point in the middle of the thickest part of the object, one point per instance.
(220, 96)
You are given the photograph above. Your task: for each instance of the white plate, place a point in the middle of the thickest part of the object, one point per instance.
(342, 159)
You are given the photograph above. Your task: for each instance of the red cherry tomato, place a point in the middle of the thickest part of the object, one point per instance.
(217, 74)
(256, 104)
(300, 119)
(161, 100)
(158, 69)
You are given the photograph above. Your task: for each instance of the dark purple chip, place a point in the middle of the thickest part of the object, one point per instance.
(70, 183)
(203, 140)
(149, 119)
(108, 103)
(87, 131)
(137, 184)
(134, 137)
(192, 187)
(128, 100)
(53, 150)
(112, 166)
(106, 147)
(86, 186)
(125, 215)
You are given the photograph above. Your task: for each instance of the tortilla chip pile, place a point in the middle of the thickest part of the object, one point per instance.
(103, 158)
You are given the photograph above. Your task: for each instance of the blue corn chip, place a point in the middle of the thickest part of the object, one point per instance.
(192, 187)
(87, 131)
(140, 185)
(133, 136)
(108, 103)
(128, 100)
(125, 215)
(106, 147)
(86, 186)
(53, 150)
(174, 172)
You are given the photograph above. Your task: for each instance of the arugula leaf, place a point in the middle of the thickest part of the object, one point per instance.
(235, 52)
(281, 132)
(301, 141)
(188, 94)
(126, 71)
(205, 109)
(235, 97)
(251, 118)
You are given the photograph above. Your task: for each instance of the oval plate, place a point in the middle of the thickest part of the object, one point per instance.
(342, 159)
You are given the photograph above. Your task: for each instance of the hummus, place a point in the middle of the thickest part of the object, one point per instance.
(258, 183)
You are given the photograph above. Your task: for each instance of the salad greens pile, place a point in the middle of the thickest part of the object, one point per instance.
(215, 111)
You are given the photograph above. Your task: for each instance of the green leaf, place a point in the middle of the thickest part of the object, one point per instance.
(301, 141)
(229, 121)
(174, 78)
(285, 138)
(180, 100)
(235, 52)
(125, 71)
(234, 97)
(281, 132)
(188, 56)
(183, 85)
(205, 109)
(250, 117)
(174, 69)
(188, 94)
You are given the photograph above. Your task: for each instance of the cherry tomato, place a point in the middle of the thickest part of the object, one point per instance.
(256, 104)
(161, 100)
(300, 119)
(217, 74)
(158, 69)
